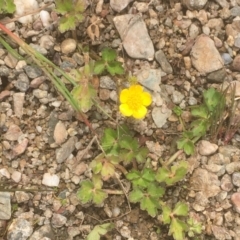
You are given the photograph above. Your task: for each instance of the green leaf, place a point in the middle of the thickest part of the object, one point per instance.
(176, 174)
(99, 67)
(85, 192)
(10, 6)
(200, 111)
(67, 23)
(178, 111)
(128, 142)
(99, 231)
(189, 147)
(84, 95)
(115, 68)
(88, 192)
(108, 54)
(150, 204)
(7, 6)
(99, 196)
(142, 155)
(63, 6)
(155, 190)
(200, 127)
(177, 229)
(162, 174)
(110, 141)
(136, 195)
(166, 212)
(194, 226)
(142, 179)
(181, 209)
(212, 98)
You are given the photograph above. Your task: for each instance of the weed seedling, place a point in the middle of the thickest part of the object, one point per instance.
(72, 13)
(108, 63)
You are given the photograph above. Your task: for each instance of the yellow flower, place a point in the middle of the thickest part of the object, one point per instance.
(134, 102)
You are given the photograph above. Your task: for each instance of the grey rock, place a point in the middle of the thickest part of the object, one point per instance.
(226, 183)
(78, 58)
(46, 41)
(22, 82)
(5, 202)
(134, 34)
(227, 59)
(177, 97)
(194, 4)
(20, 229)
(67, 148)
(32, 71)
(118, 6)
(235, 11)
(108, 83)
(204, 55)
(236, 179)
(162, 60)
(160, 115)
(43, 231)
(150, 78)
(38, 48)
(4, 71)
(58, 220)
(192, 101)
(217, 76)
(21, 196)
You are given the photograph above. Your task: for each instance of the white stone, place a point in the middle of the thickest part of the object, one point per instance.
(68, 46)
(16, 176)
(50, 180)
(206, 148)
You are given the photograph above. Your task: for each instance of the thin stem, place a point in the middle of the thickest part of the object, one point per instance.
(173, 158)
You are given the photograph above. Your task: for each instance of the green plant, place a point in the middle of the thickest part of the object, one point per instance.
(99, 230)
(207, 117)
(108, 63)
(7, 6)
(72, 13)
(47, 67)
(177, 226)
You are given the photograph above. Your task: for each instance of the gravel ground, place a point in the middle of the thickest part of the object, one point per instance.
(177, 49)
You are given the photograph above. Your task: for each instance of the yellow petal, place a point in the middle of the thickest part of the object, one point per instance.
(124, 95)
(140, 113)
(146, 99)
(136, 88)
(125, 110)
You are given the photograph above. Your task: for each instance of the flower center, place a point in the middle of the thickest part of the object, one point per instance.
(134, 101)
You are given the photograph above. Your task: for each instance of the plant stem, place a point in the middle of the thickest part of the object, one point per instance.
(47, 67)
(110, 191)
(172, 158)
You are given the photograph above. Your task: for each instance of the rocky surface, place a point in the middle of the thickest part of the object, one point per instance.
(177, 49)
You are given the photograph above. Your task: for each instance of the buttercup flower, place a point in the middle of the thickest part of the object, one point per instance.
(134, 102)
